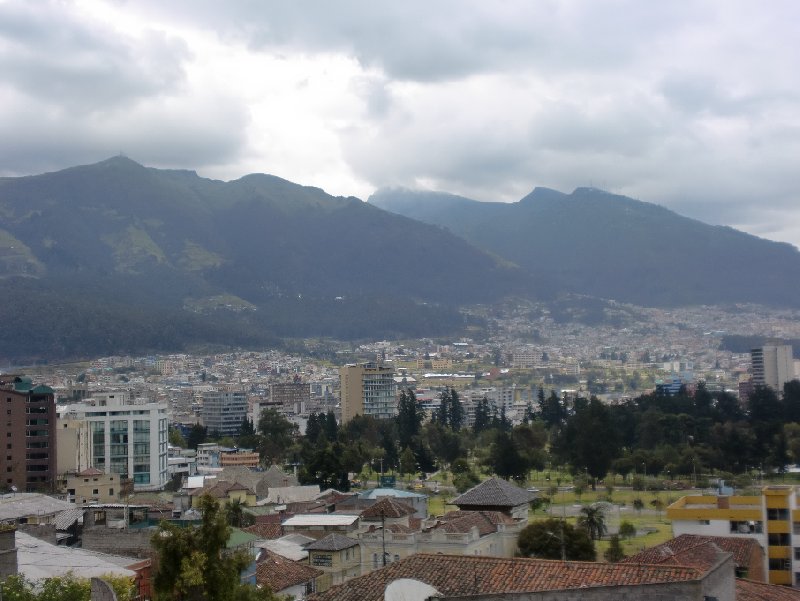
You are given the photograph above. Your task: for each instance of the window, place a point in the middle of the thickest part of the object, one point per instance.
(797, 553)
(777, 514)
(749, 527)
(780, 564)
(111, 492)
(95, 491)
(776, 539)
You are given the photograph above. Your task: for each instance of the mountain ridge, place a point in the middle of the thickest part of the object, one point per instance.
(606, 245)
(135, 237)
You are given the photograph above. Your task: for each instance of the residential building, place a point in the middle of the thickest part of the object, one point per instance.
(772, 366)
(319, 525)
(238, 457)
(748, 556)
(92, 486)
(367, 389)
(225, 492)
(284, 577)
(478, 578)
(772, 519)
(127, 437)
(339, 557)
(224, 411)
(371, 496)
(28, 461)
(393, 534)
(292, 397)
(499, 495)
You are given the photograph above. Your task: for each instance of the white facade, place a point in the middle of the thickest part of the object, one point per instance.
(127, 438)
(773, 366)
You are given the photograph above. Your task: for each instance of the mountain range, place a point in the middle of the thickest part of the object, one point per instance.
(116, 258)
(594, 243)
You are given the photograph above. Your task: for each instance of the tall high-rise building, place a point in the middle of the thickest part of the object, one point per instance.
(224, 411)
(773, 365)
(28, 461)
(367, 389)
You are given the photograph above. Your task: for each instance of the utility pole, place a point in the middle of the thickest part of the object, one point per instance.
(383, 535)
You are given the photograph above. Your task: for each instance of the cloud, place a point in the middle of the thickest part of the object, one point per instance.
(78, 88)
(693, 105)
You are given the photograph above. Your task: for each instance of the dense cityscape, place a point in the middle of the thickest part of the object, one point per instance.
(275, 444)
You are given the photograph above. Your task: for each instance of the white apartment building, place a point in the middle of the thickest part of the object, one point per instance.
(773, 366)
(125, 437)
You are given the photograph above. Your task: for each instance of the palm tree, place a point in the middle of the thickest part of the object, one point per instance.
(593, 520)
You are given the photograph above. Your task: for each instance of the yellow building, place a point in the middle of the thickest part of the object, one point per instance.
(771, 519)
(367, 389)
(339, 557)
(92, 486)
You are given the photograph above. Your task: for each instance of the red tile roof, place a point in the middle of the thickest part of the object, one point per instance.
(265, 530)
(455, 575)
(750, 590)
(683, 549)
(463, 521)
(387, 508)
(279, 573)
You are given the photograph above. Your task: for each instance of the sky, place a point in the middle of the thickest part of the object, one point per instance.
(693, 105)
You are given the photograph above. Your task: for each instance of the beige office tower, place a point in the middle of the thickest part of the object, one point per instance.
(367, 389)
(773, 365)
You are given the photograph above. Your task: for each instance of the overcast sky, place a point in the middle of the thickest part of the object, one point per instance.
(691, 105)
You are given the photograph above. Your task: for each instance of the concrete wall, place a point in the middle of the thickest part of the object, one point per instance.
(130, 543)
(8, 552)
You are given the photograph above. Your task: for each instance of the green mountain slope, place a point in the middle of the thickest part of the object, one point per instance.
(600, 244)
(163, 246)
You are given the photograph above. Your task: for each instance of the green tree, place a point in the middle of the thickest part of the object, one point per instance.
(409, 418)
(589, 439)
(456, 412)
(408, 463)
(197, 435)
(551, 409)
(627, 530)
(593, 520)
(193, 563)
(176, 439)
(614, 553)
(234, 510)
(483, 415)
(504, 459)
(463, 481)
(277, 435)
(544, 538)
(330, 427)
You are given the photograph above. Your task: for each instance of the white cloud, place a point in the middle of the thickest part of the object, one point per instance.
(690, 104)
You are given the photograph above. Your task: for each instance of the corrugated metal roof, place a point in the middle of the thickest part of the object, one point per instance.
(37, 560)
(20, 505)
(320, 519)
